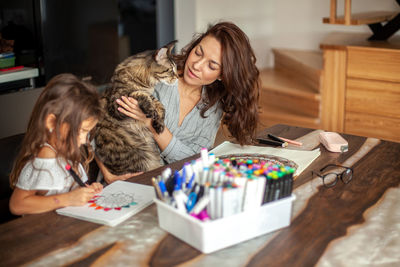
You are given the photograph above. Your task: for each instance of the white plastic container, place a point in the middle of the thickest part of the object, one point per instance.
(217, 234)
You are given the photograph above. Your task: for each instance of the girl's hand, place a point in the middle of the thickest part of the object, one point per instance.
(80, 196)
(130, 107)
(97, 187)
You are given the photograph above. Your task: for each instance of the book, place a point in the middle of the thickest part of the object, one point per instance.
(115, 204)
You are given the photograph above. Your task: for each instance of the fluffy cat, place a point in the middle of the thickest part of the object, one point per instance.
(124, 144)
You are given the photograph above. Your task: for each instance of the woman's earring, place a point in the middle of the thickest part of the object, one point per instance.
(50, 130)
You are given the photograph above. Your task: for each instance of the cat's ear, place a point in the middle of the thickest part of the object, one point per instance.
(165, 51)
(161, 54)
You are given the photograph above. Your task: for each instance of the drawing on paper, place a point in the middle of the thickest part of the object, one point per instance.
(114, 201)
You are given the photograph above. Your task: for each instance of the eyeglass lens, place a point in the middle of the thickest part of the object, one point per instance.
(347, 175)
(330, 179)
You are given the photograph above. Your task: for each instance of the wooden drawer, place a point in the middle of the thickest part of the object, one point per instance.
(373, 97)
(373, 126)
(373, 63)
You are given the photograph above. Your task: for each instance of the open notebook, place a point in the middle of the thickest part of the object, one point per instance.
(116, 203)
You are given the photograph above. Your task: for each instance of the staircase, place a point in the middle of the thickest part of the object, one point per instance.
(374, 19)
(290, 92)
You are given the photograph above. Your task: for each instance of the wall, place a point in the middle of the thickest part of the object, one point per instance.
(270, 23)
(15, 110)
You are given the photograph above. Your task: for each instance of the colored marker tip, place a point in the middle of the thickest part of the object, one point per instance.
(67, 167)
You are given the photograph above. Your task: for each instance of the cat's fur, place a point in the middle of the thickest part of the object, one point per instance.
(123, 144)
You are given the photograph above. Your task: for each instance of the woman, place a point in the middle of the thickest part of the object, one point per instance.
(218, 80)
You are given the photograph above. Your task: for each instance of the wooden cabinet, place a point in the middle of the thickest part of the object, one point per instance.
(361, 87)
(373, 63)
(373, 108)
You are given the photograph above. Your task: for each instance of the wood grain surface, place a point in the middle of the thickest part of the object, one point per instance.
(327, 216)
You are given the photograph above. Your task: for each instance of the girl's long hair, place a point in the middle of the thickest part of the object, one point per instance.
(71, 101)
(238, 90)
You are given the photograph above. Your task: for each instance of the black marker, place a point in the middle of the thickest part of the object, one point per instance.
(276, 138)
(74, 175)
(271, 142)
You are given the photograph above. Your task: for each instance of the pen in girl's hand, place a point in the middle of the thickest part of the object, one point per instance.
(75, 176)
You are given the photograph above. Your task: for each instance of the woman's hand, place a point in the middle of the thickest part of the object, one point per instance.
(130, 107)
(109, 177)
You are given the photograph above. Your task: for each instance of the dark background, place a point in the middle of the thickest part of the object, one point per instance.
(85, 37)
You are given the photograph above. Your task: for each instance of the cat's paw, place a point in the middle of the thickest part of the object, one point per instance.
(158, 126)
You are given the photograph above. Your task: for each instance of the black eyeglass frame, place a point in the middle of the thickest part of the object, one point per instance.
(346, 169)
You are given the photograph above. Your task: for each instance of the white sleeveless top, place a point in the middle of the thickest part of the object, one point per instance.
(48, 174)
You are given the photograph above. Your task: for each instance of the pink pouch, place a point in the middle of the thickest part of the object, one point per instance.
(334, 142)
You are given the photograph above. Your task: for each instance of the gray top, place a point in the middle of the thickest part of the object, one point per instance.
(194, 133)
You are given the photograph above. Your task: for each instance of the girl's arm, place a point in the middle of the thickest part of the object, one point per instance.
(29, 202)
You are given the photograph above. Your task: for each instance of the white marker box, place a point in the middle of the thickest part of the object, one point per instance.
(213, 235)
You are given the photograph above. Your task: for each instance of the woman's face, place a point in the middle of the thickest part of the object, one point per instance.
(203, 65)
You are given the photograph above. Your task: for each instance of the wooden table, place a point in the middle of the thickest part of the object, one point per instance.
(347, 225)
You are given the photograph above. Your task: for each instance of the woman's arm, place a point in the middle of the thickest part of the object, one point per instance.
(29, 202)
(130, 107)
(109, 177)
(199, 133)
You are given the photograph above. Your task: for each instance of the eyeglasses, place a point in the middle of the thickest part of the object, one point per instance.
(330, 179)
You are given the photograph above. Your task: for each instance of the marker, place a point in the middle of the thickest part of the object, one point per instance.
(187, 169)
(201, 204)
(273, 137)
(157, 188)
(272, 142)
(191, 202)
(202, 216)
(163, 188)
(204, 156)
(180, 200)
(211, 158)
(190, 183)
(292, 142)
(75, 176)
(166, 173)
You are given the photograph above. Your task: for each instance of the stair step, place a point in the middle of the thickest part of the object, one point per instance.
(363, 18)
(303, 65)
(279, 88)
(277, 115)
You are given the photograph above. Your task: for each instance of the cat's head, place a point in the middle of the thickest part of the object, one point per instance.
(166, 68)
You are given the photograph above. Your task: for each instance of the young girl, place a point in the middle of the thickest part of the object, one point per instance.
(64, 114)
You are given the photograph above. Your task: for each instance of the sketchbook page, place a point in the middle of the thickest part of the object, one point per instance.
(116, 203)
(302, 158)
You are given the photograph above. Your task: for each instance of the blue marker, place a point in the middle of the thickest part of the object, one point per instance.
(178, 181)
(191, 202)
(163, 188)
(190, 183)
